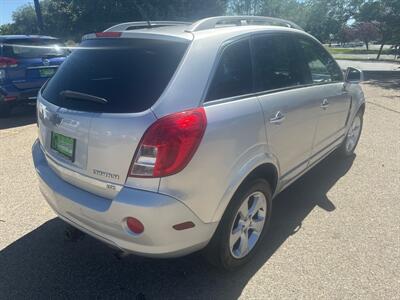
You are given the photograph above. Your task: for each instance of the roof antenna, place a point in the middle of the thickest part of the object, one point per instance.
(143, 14)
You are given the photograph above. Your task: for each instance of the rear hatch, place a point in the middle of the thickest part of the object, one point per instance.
(36, 60)
(94, 111)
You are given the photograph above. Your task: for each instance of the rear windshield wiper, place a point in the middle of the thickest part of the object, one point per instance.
(53, 55)
(82, 96)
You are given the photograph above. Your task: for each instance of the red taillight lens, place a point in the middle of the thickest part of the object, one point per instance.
(10, 98)
(8, 62)
(168, 145)
(109, 34)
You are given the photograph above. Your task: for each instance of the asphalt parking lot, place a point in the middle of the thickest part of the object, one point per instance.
(335, 233)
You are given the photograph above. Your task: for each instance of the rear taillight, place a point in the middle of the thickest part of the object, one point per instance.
(10, 98)
(109, 34)
(6, 62)
(168, 145)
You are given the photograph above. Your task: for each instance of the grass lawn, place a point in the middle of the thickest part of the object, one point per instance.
(356, 51)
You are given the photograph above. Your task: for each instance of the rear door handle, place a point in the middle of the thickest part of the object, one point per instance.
(278, 118)
(325, 104)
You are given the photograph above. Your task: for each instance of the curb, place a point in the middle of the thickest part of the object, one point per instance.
(380, 74)
(390, 61)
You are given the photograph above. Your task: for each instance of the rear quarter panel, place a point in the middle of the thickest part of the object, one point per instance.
(233, 145)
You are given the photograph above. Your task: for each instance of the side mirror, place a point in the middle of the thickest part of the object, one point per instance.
(353, 75)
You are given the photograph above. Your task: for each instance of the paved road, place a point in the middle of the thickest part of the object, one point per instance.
(335, 233)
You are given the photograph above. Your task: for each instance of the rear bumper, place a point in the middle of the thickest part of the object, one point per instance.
(18, 96)
(104, 218)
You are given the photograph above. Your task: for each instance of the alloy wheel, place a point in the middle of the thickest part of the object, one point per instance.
(248, 225)
(353, 134)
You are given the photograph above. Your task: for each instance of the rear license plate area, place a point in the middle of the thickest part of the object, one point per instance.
(63, 145)
(47, 72)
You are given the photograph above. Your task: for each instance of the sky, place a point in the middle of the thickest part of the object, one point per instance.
(7, 7)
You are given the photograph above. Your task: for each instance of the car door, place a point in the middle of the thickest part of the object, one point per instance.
(334, 101)
(234, 138)
(290, 108)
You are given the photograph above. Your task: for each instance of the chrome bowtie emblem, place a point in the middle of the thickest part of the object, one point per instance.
(55, 119)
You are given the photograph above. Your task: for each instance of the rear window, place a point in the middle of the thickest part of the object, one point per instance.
(233, 76)
(130, 74)
(33, 48)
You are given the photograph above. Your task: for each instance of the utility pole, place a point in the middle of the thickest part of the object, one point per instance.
(38, 15)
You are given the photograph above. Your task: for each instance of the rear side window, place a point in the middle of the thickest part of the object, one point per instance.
(321, 66)
(130, 74)
(33, 48)
(233, 76)
(275, 63)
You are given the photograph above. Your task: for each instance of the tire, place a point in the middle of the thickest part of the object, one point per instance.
(5, 110)
(350, 142)
(219, 251)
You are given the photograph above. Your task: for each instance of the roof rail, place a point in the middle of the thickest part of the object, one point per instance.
(144, 24)
(213, 22)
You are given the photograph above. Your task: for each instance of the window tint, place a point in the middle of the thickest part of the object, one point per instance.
(275, 62)
(130, 74)
(233, 76)
(322, 68)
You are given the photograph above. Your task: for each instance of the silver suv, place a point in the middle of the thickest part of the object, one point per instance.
(163, 138)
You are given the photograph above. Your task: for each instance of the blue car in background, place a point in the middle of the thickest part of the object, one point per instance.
(26, 62)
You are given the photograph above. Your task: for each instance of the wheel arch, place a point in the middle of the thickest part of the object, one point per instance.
(266, 170)
(361, 108)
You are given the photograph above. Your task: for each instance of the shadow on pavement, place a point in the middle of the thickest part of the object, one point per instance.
(42, 265)
(21, 116)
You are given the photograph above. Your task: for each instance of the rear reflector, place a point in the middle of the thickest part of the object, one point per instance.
(183, 226)
(109, 34)
(134, 225)
(10, 98)
(168, 145)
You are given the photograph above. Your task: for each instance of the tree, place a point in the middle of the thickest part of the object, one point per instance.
(326, 17)
(6, 29)
(366, 32)
(25, 21)
(322, 18)
(386, 15)
(73, 18)
(346, 34)
(246, 7)
(292, 10)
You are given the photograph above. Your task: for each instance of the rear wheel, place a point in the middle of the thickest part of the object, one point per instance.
(242, 227)
(353, 135)
(5, 110)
